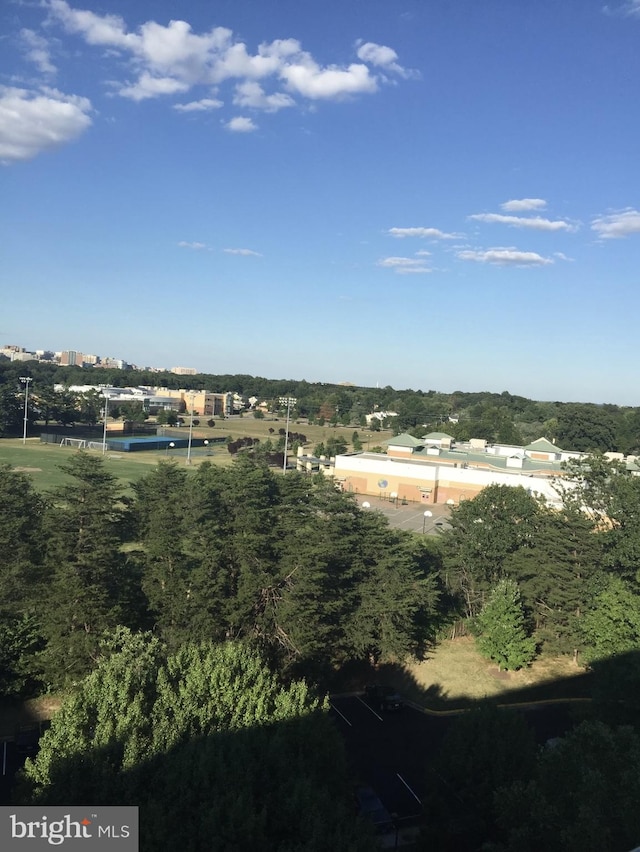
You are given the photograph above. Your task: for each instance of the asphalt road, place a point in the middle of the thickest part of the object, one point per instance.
(391, 751)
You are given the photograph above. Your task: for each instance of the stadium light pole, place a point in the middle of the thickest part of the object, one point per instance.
(104, 431)
(193, 396)
(25, 381)
(286, 437)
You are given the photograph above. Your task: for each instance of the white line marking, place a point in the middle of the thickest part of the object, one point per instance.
(408, 788)
(370, 709)
(333, 706)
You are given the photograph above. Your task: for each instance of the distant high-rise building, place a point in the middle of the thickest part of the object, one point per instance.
(71, 358)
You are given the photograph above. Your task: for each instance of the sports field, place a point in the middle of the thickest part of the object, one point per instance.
(41, 461)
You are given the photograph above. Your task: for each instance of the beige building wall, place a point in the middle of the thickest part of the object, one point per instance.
(421, 482)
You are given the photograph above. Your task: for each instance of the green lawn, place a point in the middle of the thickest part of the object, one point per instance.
(41, 461)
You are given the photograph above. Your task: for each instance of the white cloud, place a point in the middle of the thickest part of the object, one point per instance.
(504, 257)
(251, 94)
(37, 51)
(562, 256)
(519, 205)
(148, 86)
(173, 58)
(32, 122)
(199, 106)
(536, 223)
(404, 265)
(307, 78)
(383, 57)
(616, 225)
(432, 233)
(195, 246)
(241, 124)
(423, 253)
(245, 252)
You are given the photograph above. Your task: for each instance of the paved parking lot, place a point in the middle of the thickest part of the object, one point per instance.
(410, 516)
(392, 752)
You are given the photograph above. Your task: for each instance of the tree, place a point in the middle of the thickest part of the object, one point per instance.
(611, 625)
(21, 546)
(582, 797)
(207, 724)
(554, 572)
(501, 624)
(484, 531)
(89, 582)
(258, 414)
(484, 750)
(134, 412)
(11, 411)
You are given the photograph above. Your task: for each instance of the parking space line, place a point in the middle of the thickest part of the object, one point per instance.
(408, 788)
(370, 709)
(333, 707)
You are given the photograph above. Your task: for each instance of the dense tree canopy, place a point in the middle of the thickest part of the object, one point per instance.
(209, 724)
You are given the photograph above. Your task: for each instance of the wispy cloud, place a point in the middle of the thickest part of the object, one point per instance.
(241, 124)
(536, 223)
(631, 8)
(504, 257)
(404, 265)
(425, 233)
(199, 106)
(245, 252)
(520, 205)
(195, 246)
(251, 94)
(614, 226)
(37, 51)
(382, 57)
(34, 121)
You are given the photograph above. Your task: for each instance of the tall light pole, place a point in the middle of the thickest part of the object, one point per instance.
(426, 515)
(104, 431)
(193, 396)
(286, 437)
(25, 381)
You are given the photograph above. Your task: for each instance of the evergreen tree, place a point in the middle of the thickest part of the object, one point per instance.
(89, 585)
(501, 625)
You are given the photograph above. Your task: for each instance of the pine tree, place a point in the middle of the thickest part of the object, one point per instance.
(501, 623)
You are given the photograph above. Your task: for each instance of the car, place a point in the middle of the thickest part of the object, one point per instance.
(371, 808)
(384, 697)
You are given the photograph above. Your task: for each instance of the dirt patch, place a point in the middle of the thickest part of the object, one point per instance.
(28, 469)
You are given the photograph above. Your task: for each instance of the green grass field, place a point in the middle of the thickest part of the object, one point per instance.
(41, 461)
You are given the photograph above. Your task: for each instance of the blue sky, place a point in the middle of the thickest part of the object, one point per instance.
(435, 194)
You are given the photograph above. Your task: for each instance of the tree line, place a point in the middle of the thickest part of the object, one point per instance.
(496, 417)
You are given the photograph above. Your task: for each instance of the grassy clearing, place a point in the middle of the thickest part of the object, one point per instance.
(455, 675)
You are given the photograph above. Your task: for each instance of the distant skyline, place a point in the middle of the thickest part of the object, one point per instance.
(427, 194)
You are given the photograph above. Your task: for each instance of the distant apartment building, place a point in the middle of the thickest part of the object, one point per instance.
(71, 358)
(184, 371)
